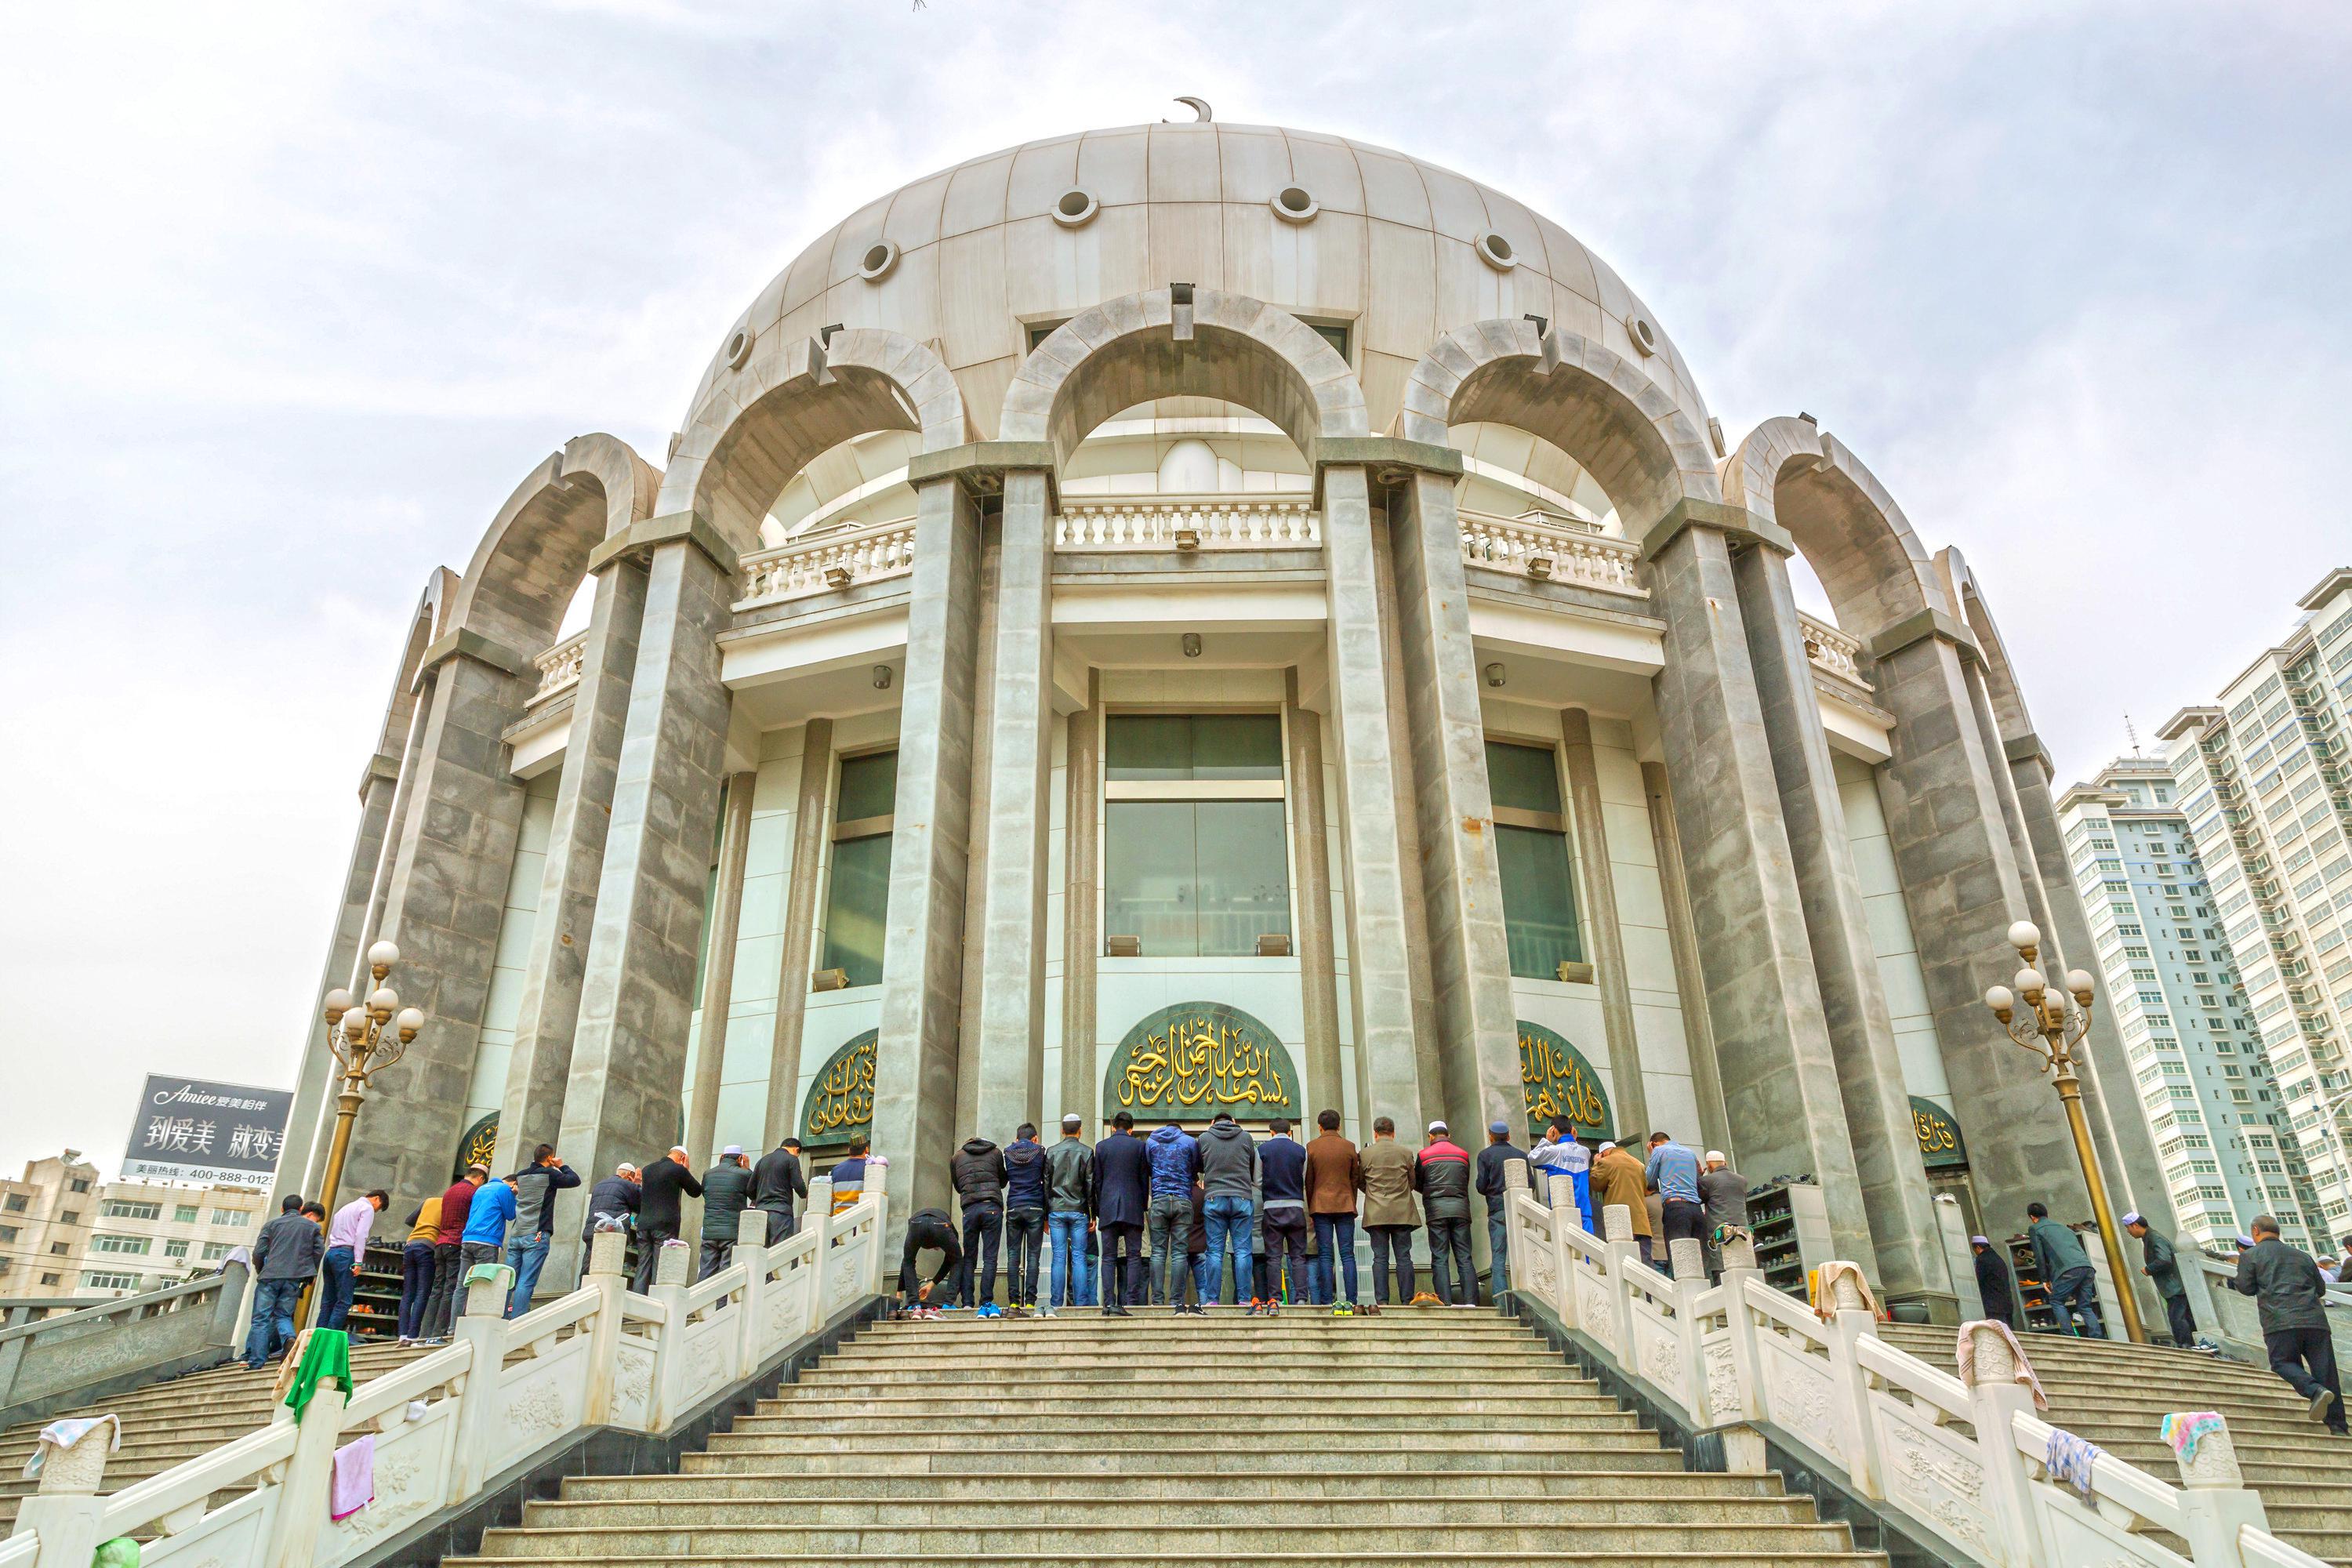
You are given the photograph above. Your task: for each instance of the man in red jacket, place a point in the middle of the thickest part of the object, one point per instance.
(441, 1298)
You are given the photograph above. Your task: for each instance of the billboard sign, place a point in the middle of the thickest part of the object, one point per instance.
(192, 1130)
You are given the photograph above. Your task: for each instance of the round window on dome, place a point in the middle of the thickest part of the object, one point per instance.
(738, 348)
(1644, 336)
(1076, 207)
(878, 261)
(1497, 252)
(1295, 204)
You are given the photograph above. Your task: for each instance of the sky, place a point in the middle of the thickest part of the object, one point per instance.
(292, 296)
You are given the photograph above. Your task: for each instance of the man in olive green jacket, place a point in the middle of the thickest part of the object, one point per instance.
(1391, 1213)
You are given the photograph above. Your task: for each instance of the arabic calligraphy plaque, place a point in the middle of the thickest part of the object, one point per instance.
(840, 1104)
(1941, 1147)
(1193, 1060)
(1556, 1080)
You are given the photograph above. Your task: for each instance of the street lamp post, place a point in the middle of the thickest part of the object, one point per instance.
(2052, 1027)
(363, 1037)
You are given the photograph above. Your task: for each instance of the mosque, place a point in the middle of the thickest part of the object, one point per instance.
(1201, 616)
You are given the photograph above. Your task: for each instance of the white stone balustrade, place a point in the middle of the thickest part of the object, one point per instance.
(828, 561)
(559, 669)
(1832, 652)
(1188, 522)
(446, 1422)
(1557, 552)
(1751, 1362)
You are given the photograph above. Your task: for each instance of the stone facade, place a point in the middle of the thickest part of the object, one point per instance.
(1338, 612)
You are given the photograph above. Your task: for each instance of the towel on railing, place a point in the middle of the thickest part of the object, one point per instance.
(64, 1432)
(1825, 1286)
(2184, 1429)
(353, 1485)
(120, 1553)
(324, 1354)
(1965, 1358)
(2070, 1462)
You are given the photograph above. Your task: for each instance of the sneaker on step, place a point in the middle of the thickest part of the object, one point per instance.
(2320, 1402)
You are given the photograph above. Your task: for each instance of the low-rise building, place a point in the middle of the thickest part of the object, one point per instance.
(146, 1234)
(44, 1220)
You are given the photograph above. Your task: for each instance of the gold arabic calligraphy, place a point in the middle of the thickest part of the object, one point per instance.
(1198, 1061)
(1555, 1084)
(1936, 1135)
(843, 1096)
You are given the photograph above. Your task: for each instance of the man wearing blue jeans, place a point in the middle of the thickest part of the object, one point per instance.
(1173, 1155)
(347, 1244)
(1069, 1217)
(1229, 1179)
(535, 1186)
(285, 1255)
(2066, 1273)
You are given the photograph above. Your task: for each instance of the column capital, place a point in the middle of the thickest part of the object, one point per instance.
(382, 765)
(1736, 524)
(463, 643)
(1918, 627)
(1383, 455)
(981, 466)
(641, 538)
(2027, 747)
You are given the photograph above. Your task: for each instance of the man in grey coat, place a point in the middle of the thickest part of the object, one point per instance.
(726, 1194)
(2066, 1273)
(1229, 1179)
(2286, 1285)
(285, 1255)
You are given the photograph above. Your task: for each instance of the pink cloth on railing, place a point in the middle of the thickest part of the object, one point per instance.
(353, 1486)
(1965, 1358)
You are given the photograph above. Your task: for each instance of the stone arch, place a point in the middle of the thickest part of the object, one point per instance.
(1624, 429)
(1966, 595)
(1851, 531)
(1129, 350)
(532, 555)
(756, 427)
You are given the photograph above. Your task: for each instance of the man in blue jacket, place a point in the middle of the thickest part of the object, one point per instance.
(486, 1231)
(1121, 1197)
(1175, 1159)
(1025, 1182)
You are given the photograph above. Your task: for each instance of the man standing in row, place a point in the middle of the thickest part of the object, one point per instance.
(978, 1174)
(1561, 1154)
(1618, 1178)
(535, 1186)
(777, 1181)
(726, 1194)
(484, 1240)
(2066, 1273)
(347, 1245)
(1390, 1174)
(1122, 1204)
(1175, 1156)
(1069, 1216)
(1025, 1175)
(1281, 1204)
(662, 1192)
(285, 1255)
(1335, 1174)
(2162, 1266)
(1492, 1184)
(1229, 1180)
(457, 1204)
(1442, 1177)
(2286, 1284)
(1993, 1287)
(614, 1198)
(1672, 1170)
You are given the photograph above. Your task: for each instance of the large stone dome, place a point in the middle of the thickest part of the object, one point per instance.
(1394, 250)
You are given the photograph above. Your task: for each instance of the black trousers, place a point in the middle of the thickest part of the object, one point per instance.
(2184, 1322)
(1391, 1242)
(928, 1235)
(2307, 1359)
(1450, 1238)
(649, 1244)
(1286, 1239)
(983, 1233)
(1024, 1238)
(440, 1310)
(1684, 1221)
(1123, 1264)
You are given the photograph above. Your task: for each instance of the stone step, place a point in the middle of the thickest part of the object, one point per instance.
(736, 1543)
(1204, 1358)
(1369, 1402)
(1145, 1382)
(1454, 1322)
(1043, 1486)
(1182, 1557)
(1426, 1511)
(1271, 1427)
(1632, 1451)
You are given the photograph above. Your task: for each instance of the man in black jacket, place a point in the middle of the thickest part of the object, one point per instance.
(659, 1196)
(613, 1196)
(926, 1231)
(1993, 1282)
(1491, 1183)
(776, 1182)
(2161, 1264)
(1121, 1198)
(2286, 1284)
(978, 1172)
(726, 1194)
(285, 1255)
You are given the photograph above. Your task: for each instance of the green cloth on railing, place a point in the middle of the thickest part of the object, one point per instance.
(120, 1553)
(326, 1353)
(491, 1271)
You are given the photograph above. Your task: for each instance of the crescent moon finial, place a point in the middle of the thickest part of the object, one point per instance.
(1202, 114)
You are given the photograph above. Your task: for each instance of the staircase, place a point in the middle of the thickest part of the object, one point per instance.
(165, 1424)
(1450, 1437)
(2116, 1394)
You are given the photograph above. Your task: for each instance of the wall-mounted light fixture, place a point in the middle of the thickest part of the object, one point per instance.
(1495, 674)
(1192, 645)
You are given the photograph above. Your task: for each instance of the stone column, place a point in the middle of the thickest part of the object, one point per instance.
(1895, 1191)
(1779, 1070)
(975, 887)
(1690, 977)
(443, 906)
(726, 919)
(638, 996)
(1379, 958)
(922, 959)
(1607, 939)
(1020, 762)
(793, 967)
(541, 1068)
(1962, 889)
(1310, 852)
(1081, 905)
(1462, 886)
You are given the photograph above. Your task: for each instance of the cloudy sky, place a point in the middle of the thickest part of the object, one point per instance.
(291, 297)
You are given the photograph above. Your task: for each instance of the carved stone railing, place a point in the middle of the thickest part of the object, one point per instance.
(1554, 552)
(559, 669)
(1832, 652)
(1966, 1462)
(1188, 522)
(50, 1363)
(445, 1423)
(833, 560)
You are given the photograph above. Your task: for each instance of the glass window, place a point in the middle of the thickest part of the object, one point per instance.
(858, 902)
(1143, 747)
(1523, 778)
(1193, 878)
(869, 786)
(1540, 921)
(175, 1250)
(184, 1213)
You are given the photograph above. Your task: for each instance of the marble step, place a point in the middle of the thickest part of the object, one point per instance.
(1181, 1556)
(1610, 1452)
(1244, 1540)
(1053, 1486)
(1207, 1507)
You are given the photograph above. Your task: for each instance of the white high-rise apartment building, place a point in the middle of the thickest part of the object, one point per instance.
(2196, 1054)
(2265, 783)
